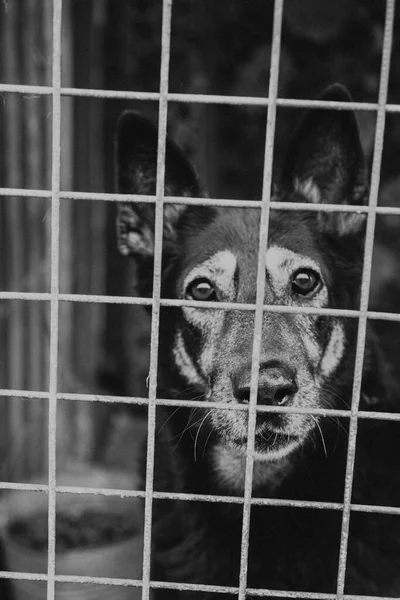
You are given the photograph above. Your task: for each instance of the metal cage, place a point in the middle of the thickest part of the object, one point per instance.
(54, 297)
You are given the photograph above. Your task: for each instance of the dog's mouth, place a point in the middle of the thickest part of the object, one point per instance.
(270, 422)
(270, 444)
(274, 442)
(276, 434)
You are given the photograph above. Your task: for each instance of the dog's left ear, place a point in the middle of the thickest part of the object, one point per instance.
(136, 173)
(325, 163)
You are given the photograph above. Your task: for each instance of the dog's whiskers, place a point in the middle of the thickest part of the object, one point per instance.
(206, 442)
(198, 433)
(188, 425)
(315, 419)
(168, 418)
(329, 389)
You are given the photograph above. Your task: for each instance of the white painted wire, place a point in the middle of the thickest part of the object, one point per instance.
(223, 202)
(365, 288)
(258, 317)
(155, 315)
(42, 90)
(54, 289)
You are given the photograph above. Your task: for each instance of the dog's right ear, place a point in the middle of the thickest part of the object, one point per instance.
(136, 173)
(325, 163)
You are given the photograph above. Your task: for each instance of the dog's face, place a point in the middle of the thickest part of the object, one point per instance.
(299, 353)
(211, 254)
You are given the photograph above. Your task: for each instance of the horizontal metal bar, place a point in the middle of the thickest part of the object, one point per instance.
(10, 575)
(212, 498)
(171, 302)
(289, 594)
(116, 582)
(109, 94)
(24, 487)
(195, 587)
(324, 412)
(370, 508)
(23, 192)
(137, 300)
(24, 576)
(96, 299)
(221, 202)
(259, 101)
(26, 296)
(34, 90)
(208, 404)
(41, 90)
(25, 394)
(213, 202)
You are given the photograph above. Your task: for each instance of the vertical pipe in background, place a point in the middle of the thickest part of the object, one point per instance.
(66, 434)
(79, 367)
(47, 135)
(89, 217)
(13, 207)
(37, 263)
(25, 133)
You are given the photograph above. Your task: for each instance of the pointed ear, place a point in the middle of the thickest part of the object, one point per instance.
(136, 173)
(326, 163)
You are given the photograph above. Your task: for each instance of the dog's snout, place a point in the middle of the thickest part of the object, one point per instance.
(276, 384)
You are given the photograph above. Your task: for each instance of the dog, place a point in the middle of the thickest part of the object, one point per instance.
(314, 259)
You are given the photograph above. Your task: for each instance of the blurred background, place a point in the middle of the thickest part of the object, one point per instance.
(219, 47)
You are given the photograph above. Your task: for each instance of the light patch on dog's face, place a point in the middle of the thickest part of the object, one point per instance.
(219, 270)
(184, 362)
(230, 468)
(333, 352)
(282, 263)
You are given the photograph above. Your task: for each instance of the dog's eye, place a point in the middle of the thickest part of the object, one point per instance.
(202, 290)
(305, 282)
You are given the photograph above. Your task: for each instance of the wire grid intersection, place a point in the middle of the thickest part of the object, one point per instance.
(54, 297)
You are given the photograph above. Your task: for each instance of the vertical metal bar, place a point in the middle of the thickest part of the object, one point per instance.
(263, 241)
(158, 238)
(366, 278)
(54, 287)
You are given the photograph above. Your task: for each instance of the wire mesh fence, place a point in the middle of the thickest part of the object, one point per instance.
(55, 297)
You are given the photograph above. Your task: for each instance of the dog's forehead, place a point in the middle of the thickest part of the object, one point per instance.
(237, 231)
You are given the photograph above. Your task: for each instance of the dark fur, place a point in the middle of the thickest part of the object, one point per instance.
(290, 548)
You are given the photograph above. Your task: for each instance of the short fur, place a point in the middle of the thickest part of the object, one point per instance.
(306, 361)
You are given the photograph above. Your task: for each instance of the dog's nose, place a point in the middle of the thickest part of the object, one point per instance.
(276, 385)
